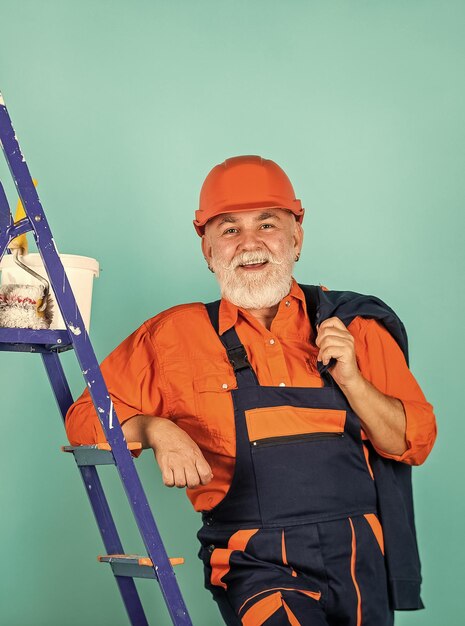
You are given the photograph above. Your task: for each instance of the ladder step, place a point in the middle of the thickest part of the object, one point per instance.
(28, 340)
(97, 454)
(133, 565)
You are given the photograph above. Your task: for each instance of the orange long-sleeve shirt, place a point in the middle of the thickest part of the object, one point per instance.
(174, 366)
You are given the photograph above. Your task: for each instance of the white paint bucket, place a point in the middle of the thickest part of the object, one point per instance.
(80, 270)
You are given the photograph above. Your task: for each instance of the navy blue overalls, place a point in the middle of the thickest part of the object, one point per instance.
(296, 540)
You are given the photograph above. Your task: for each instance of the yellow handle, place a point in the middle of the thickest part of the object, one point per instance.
(21, 241)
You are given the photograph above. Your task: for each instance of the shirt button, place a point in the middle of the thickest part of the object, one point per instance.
(288, 303)
(224, 385)
(271, 341)
(282, 384)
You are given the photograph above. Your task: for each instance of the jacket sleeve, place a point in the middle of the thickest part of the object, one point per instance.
(130, 375)
(382, 362)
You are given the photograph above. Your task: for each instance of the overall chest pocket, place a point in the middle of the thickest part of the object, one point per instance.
(284, 424)
(305, 465)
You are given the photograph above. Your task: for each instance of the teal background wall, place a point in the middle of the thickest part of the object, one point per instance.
(121, 108)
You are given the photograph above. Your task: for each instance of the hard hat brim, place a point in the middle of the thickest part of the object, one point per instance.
(297, 210)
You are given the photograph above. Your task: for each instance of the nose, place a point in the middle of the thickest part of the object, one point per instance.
(250, 240)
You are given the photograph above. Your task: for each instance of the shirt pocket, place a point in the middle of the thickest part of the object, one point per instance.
(214, 408)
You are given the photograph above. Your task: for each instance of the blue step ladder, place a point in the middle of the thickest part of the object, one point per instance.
(50, 343)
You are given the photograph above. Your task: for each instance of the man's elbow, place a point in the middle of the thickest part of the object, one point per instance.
(81, 422)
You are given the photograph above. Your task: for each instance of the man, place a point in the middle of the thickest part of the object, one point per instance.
(292, 431)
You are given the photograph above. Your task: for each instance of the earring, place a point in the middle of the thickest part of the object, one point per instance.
(209, 266)
(297, 257)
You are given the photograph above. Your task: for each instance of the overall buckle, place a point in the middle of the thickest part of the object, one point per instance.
(238, 358)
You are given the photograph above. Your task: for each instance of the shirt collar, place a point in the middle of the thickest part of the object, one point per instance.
(229, 312)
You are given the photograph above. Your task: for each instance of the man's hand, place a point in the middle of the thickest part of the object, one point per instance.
(382, 417)
(181, 462)
(179, 457)
(335, 341)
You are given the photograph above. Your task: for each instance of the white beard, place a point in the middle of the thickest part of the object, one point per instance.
(259, 289)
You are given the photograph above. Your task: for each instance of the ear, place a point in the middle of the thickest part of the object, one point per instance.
(206, 249)
(298, 237)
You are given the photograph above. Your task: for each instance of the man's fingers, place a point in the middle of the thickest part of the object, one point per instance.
(340, 345)
(335, 341)
(167, 476)
(192, 476)
(186, 469)
(332, 321)
(204, 470)
(332, 331)
(333, 352)
(179, 476)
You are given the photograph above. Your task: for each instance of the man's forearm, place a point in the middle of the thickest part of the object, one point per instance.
(141, 428)
(382, 417)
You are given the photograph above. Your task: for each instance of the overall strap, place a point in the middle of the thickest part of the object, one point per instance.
(312, 300)
(236, 352)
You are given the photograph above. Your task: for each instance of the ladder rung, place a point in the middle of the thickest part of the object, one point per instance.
(28, 340)
(133, 565)
(97, 454)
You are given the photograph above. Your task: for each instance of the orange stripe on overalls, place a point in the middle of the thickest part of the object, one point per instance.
(220, 557)
(353, 562)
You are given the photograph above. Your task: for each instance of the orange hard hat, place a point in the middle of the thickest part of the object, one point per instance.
(244, 183)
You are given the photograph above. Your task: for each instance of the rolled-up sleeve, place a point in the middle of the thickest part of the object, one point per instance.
(130, 375)
(382, 362)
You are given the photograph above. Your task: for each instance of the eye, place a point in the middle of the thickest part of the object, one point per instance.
(230, 231)
(267, 226)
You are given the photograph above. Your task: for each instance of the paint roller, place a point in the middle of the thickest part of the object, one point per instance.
(22, 305)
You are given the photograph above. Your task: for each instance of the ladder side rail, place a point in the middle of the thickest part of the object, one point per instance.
(96, 495)
(6, 219)
(58, 381)
(114, 434)
(131, 480)
(91, 479)
(39, 224)
(112, 542)
(92, 374)
(4, 241)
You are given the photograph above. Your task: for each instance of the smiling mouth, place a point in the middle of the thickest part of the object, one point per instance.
(253, 266)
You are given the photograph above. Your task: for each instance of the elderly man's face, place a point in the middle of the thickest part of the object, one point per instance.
(252, 254)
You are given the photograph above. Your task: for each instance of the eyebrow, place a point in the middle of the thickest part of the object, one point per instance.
(227, 219)
(230, 219)
(266, 215)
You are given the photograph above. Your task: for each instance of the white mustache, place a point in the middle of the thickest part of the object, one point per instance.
(252, 258)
